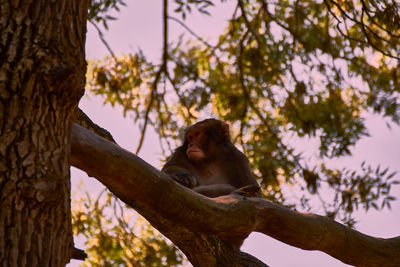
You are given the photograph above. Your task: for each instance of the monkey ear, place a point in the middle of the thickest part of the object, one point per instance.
(225, 129)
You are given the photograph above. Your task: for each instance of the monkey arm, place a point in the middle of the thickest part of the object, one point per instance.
(214, 190)
(180, 174)
(183, 177)
(178, 168)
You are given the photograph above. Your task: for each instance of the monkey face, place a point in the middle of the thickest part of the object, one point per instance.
(196, 141)
(203, 138)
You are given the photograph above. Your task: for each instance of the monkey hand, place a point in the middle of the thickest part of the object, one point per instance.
(184, 178)
(248, 191)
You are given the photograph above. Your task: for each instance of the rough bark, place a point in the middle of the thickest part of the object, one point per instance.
(194, 222)
(42, 75)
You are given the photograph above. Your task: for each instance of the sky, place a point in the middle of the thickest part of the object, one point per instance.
(139, 27)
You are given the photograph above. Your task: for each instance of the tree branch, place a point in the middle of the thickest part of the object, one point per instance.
(192, 221)
(83, 120)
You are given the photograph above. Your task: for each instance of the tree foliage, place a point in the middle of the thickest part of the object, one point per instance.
(281, 71)
(99, 11)
(116, 236)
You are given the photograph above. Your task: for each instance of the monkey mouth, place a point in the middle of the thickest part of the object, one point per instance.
(193, 151)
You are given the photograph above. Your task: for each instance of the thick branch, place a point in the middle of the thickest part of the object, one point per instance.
(173, 207)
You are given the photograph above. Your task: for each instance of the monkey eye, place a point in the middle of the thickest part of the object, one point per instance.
(192, 135)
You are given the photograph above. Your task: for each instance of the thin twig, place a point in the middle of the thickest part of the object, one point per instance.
(368, 11)
(162, 69)
(363, 27)
(103, 40)
(248, 24)
(191, 31)
(181, 100)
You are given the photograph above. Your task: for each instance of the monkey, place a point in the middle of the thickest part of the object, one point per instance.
(208, 162)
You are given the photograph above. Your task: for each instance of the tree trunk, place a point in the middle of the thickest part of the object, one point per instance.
(42, 70)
